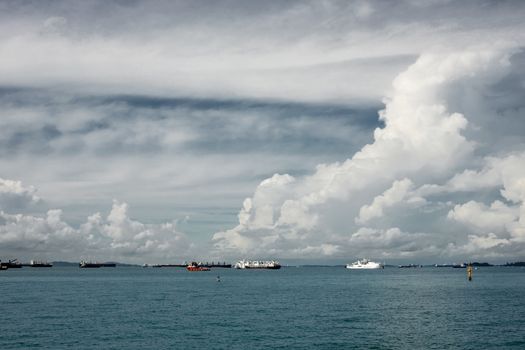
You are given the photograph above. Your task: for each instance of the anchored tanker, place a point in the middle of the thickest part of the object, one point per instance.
(247, 264)
(89, 264)
(364, 264)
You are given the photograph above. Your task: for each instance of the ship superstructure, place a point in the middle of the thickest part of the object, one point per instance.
(364, 264)
(257, 264)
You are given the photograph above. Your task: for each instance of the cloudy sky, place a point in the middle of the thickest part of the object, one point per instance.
(161, 131)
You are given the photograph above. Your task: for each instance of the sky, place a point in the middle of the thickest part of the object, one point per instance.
(311, 131)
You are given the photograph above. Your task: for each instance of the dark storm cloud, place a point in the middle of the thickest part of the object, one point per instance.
(137, 124)
(30, 140)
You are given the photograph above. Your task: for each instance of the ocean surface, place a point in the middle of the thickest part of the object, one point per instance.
(292, 308)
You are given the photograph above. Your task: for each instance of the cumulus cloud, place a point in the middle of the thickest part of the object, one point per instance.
(503, 220)
(422, 140)
(391, 242)
(400, 191)
(14, 196)
(486, 219)
(115, 237)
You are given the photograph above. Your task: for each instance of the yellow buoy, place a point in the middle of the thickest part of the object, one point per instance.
(469, 272)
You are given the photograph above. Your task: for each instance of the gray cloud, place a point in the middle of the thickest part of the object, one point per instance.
(142, 124)
(14, 196)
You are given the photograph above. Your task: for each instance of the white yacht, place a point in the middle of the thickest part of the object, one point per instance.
(247, 264)
(364, 264)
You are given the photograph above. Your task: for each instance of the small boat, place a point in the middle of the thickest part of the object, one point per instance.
(365, 264)
(196, 267)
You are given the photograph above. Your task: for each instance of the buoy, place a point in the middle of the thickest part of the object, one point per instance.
(469, 272)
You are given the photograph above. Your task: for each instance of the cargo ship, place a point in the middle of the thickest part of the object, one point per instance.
(89, 264)
(218, 264)
(409, 266)
(255, 264)
(35, 263)
(206, 264)
(10, 264)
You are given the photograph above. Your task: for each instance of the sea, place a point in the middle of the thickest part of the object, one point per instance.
(291, 308)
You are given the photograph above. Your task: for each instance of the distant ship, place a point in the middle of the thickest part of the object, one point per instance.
(165, 265)
(89, 264)
(364, 264)
(193, 267)
(35, 263)
(247, 264)
(10, 264)
(409, 266)
(459, 266)
(206, 264)
(150, 265)
(218, 264)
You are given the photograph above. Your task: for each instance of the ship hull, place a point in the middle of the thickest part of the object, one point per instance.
(12, 265)
(262, 268)
(95, 265)
(197, 268)
(258, 264)
(363, 267)
(90, 266)
(364, 264)
(226, 266)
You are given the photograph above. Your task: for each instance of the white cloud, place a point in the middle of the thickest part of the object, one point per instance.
(485, 242)
(401, 191)
(388, 242)
(14, 196)
(421, 140)
(484, 246)
(484, 219)
(117, 237)
(506, 173)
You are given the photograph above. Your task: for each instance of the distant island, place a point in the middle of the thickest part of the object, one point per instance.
(476, 264)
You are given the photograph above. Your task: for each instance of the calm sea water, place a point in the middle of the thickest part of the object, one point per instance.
(292, 308)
